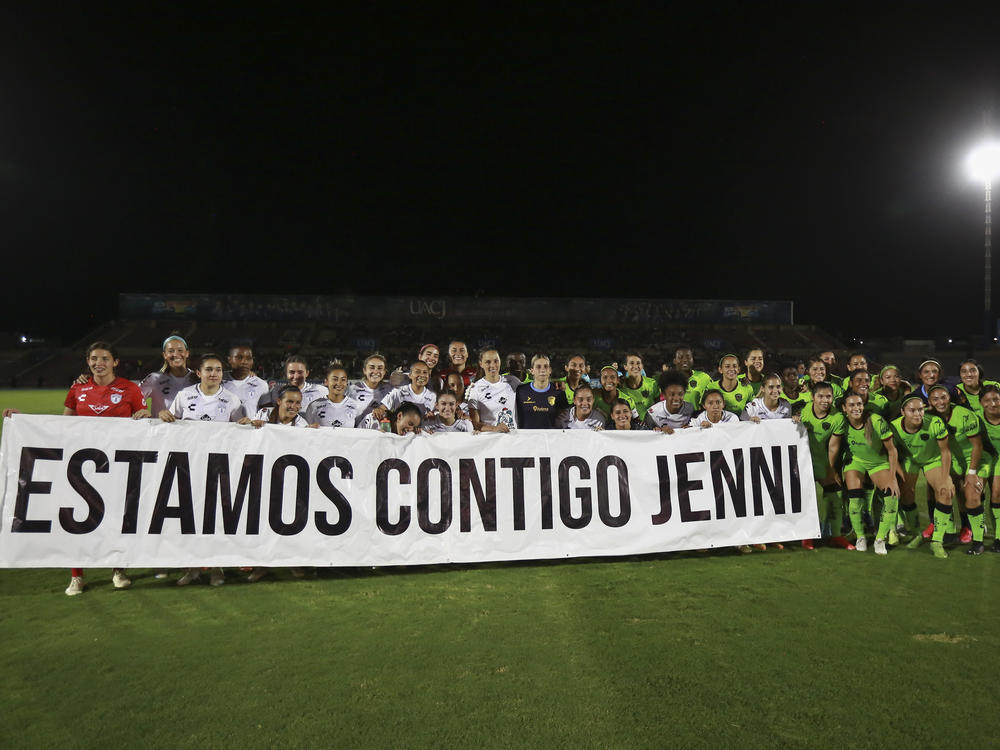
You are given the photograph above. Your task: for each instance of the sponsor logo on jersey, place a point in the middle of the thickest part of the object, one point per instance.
(98, 408)
(503, 399)
(337, 423)
(82, 397)
(205, 418)
(488, 395)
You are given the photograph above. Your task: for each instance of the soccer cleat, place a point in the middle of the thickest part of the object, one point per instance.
(192, 575)
(996, 545)
(880, 547)
(75, 586)
(928, 532)
(744, 549)
(966, 536)
(257, 574)
(119, 579)
(760, 547)
(842, 542)
(915, 542)
(778, 545)
(950, 537)
(218, 577)
(939, 552)
(160, 574)
(977, 549)
(861, 544)
(808, 544)
(893, 538)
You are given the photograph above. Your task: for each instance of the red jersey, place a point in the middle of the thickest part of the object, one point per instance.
(120, 398)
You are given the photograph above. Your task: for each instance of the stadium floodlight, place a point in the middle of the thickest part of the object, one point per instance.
(983, 162)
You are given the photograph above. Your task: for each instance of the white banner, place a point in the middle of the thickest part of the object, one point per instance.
(89, 492)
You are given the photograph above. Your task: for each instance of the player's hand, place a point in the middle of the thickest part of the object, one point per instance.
(667, 430)
(11, 412)
(705, 425)
(82, 379)
(141, 414)
(893, 488)
(167, 416)
(755, 420)
(379, 411)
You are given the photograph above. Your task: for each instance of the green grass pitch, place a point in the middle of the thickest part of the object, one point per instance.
(775, 649)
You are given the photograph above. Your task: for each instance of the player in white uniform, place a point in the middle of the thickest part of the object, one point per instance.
(445, 417)
(581, 416)
(161, 387)
(715, 412)
(206, 401)
(770, 404)
(672, 412)
(337, 409)
(371, 389)
(416, 392)
(491, 399)
(241, 380)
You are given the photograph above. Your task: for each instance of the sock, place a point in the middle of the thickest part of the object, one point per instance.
(995, 510)
(911, 517)
(823, 506)
(855, 504)
(942, 517)
(836, 504)
(965, 520)
(977, 522)
(890, 505)
(930, 504)
(870, 503)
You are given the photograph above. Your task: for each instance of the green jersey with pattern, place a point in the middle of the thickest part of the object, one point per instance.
(962, 424)
(921, 446)
(696, 386)
(755, 384)
(991, 444)
(860, 448)
(972, 399)
(893, 406)
(820, 430)
(875, 404)
(736, 399)
(605, 408)
(647, 394)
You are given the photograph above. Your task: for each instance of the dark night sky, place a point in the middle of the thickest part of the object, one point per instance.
(768, 152)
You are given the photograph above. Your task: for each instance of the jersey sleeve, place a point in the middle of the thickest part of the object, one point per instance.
(939, 431)
(70, 402)
(175, 407)
(971, 424)
(237, 411)
(883, 429)
(392, 399)
(136, 398)
(147, 384)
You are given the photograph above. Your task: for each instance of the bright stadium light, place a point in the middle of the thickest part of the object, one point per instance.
(983, 163)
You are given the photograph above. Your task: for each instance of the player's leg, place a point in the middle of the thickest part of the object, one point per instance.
(855, 506)
(941, 488)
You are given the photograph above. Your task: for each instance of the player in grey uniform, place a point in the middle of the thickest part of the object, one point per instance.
(296, 374)
(163, 386)
(445, 417)
(370, 390)
(416, 393)
(672, 412)
(337, 409)
(491, 399)
(581, 416)
(241, 381)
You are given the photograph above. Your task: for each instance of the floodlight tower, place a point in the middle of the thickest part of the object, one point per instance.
(983, 164)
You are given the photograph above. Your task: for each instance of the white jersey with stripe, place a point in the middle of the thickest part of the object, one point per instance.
(249, 390)
(326, 413)
(434, 425)
(404, 394)
(161, 388)
(568, 421)
(369, 398)
(757, 408)
(221, 406)
(264, 415)
(727, 418)
(658, 416)
(495, 402)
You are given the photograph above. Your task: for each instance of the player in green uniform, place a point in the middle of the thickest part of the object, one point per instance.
(643, 390)
(818, 373)
(969, 390)
(970, 467)
(791, 390)
(576, 368)
(857, 361)
(893, 389)
(989, 398)
(605, 396)
(698, 381)
(736, 394)
(869, 450)
(754, 375)
(821, 423)
(860, 383)
(922, 440)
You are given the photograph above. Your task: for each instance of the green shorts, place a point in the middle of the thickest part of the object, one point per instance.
(912, 467)
(866, 467)
(960, 465)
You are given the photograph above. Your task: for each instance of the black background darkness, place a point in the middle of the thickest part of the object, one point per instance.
(806, 152)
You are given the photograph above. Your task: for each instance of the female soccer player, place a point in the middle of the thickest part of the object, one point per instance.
(643, 390)
(819, 373)
(458, 361)
(337, 409)
(869, 450)
(430, 355)
(821, 423)
(491, 399)
(104, 394)
(416, 392)
(968, 391)
(162, 386)
(892, 388)
(622, 417)
(445, 418)
(206, 401)
(407, 419)
(249, 389)
(754, 374)
(929, 374)
(576, 373)
(736, 394)
(714, 411)
(539, 402)
(605, 396)
(923, 446)
(672, 412)
(859, 382)
(581, 416)
(770, 404)
(989, 399)
(371, 389)
(285, 412)
(970, 466)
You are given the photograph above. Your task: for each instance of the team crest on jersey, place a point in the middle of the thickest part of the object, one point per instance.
(924, 436)
(552, 400)
(693, 383)
(205, 418)
(826, 425)
(98, 408)
(116, 398)
(739, 396)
